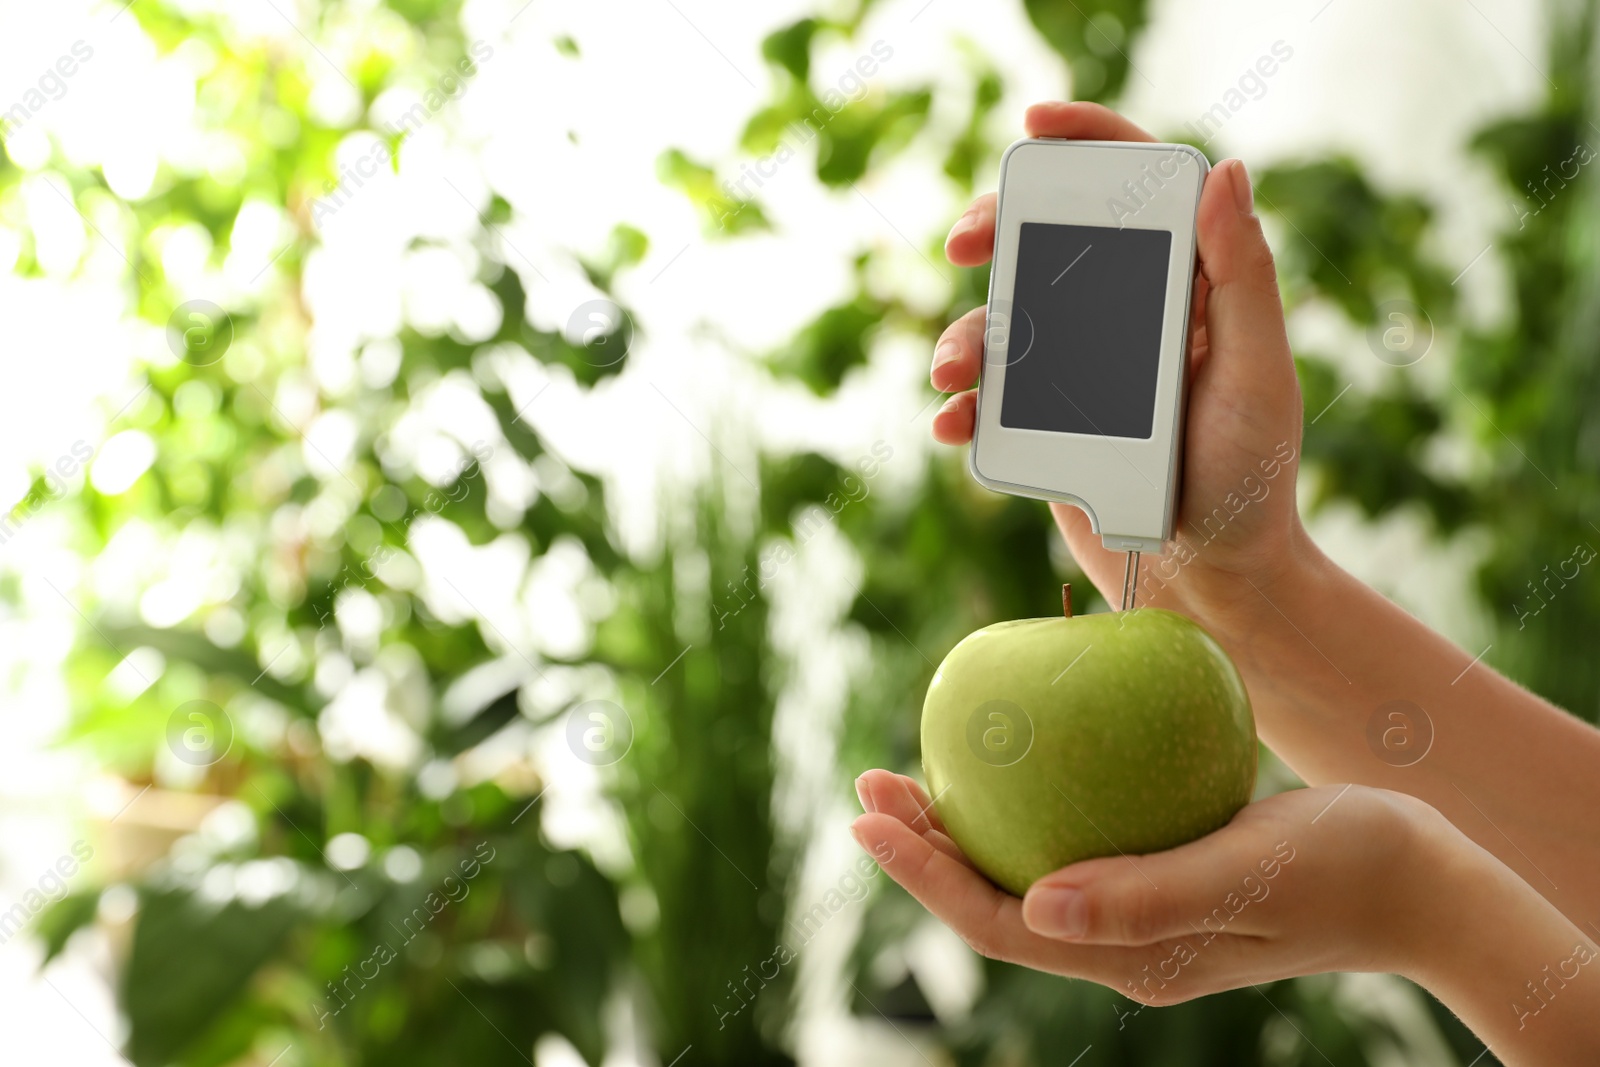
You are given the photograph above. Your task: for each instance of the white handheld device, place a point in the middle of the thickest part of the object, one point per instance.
(1087, 334)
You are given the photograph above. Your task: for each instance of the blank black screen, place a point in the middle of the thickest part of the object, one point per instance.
(1085, 336)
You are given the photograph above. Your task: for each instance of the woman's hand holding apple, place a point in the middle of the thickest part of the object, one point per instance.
(1343, 878)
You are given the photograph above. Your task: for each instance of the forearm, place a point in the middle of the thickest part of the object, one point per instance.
(1323, 654)
(1521, 975)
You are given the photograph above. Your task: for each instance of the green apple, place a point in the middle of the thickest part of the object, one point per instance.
(1049, 741)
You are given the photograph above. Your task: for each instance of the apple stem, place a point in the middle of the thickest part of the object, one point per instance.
(1066, 600)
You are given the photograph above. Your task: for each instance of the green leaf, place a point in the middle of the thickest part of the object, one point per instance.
(190, 960)
(57, 923)
(572, 909)
(830, 345)
(1358, 246)
(790, 47)
(725, 214)
(449, 741)
(866, 132)
(625, 247)
(190, 646)
(1095, 37)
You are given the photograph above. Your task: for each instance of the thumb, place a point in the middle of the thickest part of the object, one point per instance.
(1244, 314)
(1195, 890)
(1247, 368)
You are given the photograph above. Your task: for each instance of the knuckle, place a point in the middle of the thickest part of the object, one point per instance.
(918, 867)
(979, 942)
(968, 329)
(1257, 256)
(982, 936)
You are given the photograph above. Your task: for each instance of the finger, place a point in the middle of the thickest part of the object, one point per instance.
(967, 902)
(959, 352)
(986, 918)
(1080, 121)
(1140, 900)
(1197, 323)
(946, 844)
(1248, 348)
(971, 240)
(902, 798)
(952, 424)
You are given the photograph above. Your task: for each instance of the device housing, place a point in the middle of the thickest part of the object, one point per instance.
(1128, 485)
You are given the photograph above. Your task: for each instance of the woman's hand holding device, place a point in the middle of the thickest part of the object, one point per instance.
(1243, 411)
(1482, 890)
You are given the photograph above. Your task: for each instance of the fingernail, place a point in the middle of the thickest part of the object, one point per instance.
(1243, 195)
(857, 835)
(963, 224)
(865, 798)
(1057, 912)
(947, 352)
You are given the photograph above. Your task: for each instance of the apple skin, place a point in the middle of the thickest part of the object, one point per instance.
(1146, 742)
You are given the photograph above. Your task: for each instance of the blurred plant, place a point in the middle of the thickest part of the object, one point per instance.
(366, 905)
(1520, 391)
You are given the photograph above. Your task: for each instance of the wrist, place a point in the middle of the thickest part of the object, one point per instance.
(1241, 604)
(1445, 885)
(1523, 976)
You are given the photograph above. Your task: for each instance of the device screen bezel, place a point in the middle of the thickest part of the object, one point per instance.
(1128, 485)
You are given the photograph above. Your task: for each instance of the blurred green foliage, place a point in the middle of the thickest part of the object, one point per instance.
(248, 947)
(1521, 390)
